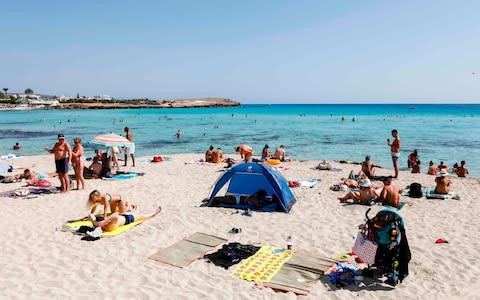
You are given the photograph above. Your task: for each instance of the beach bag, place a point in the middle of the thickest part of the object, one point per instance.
(415, 190)
(364, 248)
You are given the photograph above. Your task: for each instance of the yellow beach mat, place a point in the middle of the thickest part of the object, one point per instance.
(184, 252)
(299, 273)
(121, 229)
(262, 266)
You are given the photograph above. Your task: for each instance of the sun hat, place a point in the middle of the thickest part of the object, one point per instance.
(60, 136)
(442, 173)
(365, 183)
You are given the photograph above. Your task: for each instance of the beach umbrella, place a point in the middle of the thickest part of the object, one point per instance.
(111, 140)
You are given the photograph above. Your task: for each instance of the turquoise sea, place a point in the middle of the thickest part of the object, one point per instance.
(440, 132)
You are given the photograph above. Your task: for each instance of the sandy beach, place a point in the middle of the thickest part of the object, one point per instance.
(39, 261)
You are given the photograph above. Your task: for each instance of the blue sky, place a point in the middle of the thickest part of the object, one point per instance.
(250, 51)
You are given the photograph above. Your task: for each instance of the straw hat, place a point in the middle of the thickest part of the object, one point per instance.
(442, 173)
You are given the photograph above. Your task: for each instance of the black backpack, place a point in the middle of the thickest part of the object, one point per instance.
(415, 190)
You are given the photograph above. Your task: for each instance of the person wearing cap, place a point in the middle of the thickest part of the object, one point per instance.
(208, 154)
(266, 152)
(246, 152)
(364, 195)
(129, 150)
(62, 153)
(443, 182)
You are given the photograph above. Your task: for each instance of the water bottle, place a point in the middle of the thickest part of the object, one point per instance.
(289, 242)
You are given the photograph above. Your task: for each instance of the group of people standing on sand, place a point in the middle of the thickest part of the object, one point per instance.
(65, 156)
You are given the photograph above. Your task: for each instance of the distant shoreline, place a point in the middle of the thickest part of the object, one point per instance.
(130, 104)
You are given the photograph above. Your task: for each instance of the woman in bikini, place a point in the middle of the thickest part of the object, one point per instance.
(78, 164)
(116, 220)
(110, 203)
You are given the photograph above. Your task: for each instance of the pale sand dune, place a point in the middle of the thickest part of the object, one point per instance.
(40, 262)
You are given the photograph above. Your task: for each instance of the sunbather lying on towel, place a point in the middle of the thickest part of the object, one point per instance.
(110, 203)
(116, 220)
(33, 178)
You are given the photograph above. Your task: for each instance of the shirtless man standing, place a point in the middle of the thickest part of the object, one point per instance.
(395, 150)
(443, 182)
(390, 195)
(246, 152)
(129, 150)
(63, 157)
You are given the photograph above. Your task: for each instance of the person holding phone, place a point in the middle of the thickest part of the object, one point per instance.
(394, 150)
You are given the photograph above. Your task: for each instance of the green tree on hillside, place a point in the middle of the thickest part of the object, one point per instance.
(29, 91)
(5, 90)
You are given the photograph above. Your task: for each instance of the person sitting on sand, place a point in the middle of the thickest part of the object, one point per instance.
(364, 195)
(416, 168)
(462, 171)
(412, 159)
(266, 152)
(432, 170)
(280, 154)
(443, 182)
(116, 220)
(367, 167)
(390, 194)
(110, 203)
(106, 170)
(208, 154)
(94, 170)
(246, 152)
(217, 156)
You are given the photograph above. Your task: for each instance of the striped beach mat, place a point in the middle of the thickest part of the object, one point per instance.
(184, 252)
(300, 273)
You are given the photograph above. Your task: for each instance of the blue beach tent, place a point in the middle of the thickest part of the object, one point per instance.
(246, 179)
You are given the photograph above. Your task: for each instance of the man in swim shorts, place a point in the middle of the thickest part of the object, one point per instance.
(63, 157)
(129, 150)
(395, 150)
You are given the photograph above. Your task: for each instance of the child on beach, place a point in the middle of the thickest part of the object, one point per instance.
(77, 161)
(110, 203)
